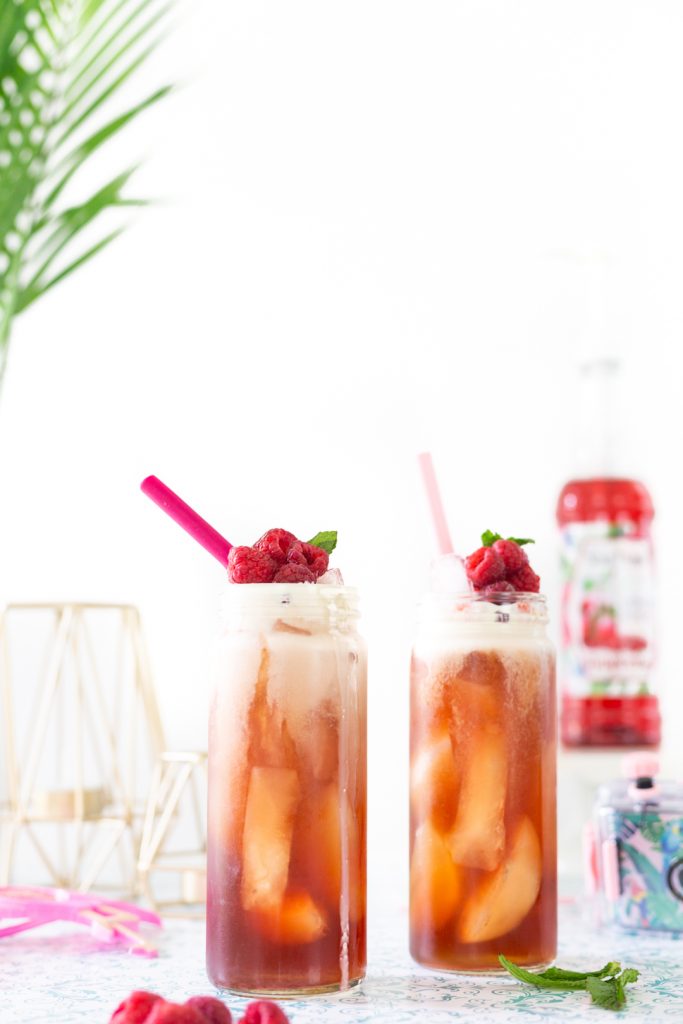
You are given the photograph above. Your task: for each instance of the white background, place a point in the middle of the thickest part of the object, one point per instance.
(373, 238)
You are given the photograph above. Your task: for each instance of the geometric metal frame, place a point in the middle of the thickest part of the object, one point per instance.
(176, 774)
(104, 817)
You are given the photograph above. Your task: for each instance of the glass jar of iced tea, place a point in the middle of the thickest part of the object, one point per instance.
(482, 784)
(287, 792)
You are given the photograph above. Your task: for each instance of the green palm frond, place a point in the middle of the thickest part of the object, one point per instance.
(62, 66)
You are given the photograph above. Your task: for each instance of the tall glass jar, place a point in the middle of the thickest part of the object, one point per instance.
(482, 784)
(287, 792)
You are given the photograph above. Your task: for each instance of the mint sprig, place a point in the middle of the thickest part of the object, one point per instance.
(488, 538)
(606, 985)
(327, 540)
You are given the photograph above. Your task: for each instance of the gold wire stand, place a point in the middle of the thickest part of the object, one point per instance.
(105, 816)
(179, 776)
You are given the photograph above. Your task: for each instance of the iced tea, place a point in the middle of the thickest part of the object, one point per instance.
(287, 793)
(482, 785)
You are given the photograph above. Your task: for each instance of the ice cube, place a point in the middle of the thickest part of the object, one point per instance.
(448, 575)
(333, 578)
(435, 881)
(267, 838)
(474, 707)
(296, 921)
(503, 900)
(434, 781)
(317, 849)
(477, 838)
(318, 742)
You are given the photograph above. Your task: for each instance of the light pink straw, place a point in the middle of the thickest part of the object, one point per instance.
(186, 517)
(443, 536)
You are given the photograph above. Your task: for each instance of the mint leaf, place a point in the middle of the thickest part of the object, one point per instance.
(327, 540)
(606, 993)
(561, 984)
(606, 986)
(488, 538)
(613, 967)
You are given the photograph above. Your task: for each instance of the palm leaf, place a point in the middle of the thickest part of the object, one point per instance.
(63, 65)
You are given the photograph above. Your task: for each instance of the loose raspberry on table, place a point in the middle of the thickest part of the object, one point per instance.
(212, 1009)
(514, 557)
(276, 543)
(249, 565)
(135, 1009)
(294, 574)
(525, 580)
(264, 1012)
(483, 567)
(164, 1012)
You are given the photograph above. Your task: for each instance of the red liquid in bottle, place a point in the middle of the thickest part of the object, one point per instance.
(607, 614)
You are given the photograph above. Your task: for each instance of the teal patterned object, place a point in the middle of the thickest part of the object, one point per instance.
(638, 853)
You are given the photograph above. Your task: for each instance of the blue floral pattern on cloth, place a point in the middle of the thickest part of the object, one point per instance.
(59, 975)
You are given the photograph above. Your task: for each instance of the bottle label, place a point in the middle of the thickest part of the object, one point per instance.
(607, 610)
(650, 846)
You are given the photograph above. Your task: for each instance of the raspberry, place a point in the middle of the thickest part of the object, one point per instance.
(213, 1010)
(294, 574)
(499, 588)
(317, 559)
(249, 565)
(525, 580)
(264, 1012)
(277, 544)
(484, 566)
(164, 1012)
(514, 557)
(135, 1009)
(295, 555)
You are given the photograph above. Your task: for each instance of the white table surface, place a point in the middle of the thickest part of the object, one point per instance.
(59, 975)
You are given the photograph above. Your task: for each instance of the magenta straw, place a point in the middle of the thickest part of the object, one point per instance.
(186, 517)
(443, 536)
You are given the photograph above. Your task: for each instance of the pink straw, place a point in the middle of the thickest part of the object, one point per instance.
(186, 517)
(443, 537)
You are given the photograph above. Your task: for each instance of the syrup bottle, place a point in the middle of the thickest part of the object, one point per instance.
(607, 640)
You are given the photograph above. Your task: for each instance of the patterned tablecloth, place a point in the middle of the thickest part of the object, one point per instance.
(60, 976)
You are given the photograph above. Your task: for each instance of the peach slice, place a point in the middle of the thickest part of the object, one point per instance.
(272, 801)
(434, 781)
(297, 921)
(503, 900)
(477, 839)
(317, 850)
(435, 881)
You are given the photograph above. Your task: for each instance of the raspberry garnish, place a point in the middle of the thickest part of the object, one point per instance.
(317, 559)
(514, 557)
(483, 567)
(277, 544)
(135, 1008)
(294, 574)
(264, 1012)
(503, 587)
(212, 1010)
(525, 580)
(249, 565)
